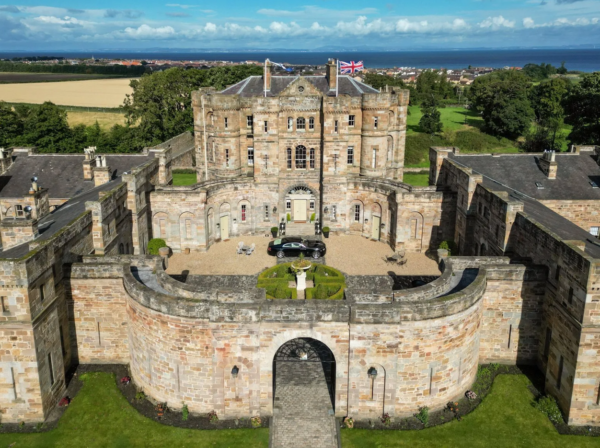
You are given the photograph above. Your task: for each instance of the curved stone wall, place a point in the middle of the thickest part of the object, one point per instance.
(183, 349)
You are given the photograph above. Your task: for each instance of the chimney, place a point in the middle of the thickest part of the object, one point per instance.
(548, 164)
(89, 163)
(267, 76)
(332, 74)
(102, 173)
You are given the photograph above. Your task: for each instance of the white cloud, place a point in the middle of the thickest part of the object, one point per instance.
(147, 32)
(561, 22)
(314, 12)
(496, 23)
(528, 22)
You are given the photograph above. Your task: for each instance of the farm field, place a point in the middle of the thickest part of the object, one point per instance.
(93, 93)
(46, 77)
(106, 120)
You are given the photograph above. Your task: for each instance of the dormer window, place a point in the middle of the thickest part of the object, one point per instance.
(301, 124)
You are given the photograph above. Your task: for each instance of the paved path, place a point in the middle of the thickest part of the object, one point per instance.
(302, 415)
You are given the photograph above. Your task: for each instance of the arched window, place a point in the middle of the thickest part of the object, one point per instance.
(301, 123)
(312, 158)
(301, 158)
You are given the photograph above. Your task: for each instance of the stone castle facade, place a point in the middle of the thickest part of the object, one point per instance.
(523, 290)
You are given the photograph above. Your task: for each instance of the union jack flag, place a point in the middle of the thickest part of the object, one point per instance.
(351, 67)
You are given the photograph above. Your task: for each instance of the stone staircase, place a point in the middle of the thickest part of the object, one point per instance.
(302, 414)
(299, 229)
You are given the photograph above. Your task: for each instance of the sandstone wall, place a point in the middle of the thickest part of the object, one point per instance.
(585, 214)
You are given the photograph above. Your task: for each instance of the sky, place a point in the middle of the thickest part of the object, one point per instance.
(299, 25)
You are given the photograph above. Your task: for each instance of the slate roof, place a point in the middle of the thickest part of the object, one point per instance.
(521, 172)
(516, 175)
(61, 174)
(254, 86)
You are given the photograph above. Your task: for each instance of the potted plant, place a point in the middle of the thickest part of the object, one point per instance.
(289, 217)
(274, 231)
(325, 231)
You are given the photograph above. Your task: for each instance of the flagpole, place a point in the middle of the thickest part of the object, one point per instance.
(337, 77)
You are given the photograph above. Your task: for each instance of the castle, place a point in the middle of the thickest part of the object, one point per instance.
(77, 287)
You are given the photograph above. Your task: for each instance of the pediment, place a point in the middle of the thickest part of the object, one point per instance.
(301, 87)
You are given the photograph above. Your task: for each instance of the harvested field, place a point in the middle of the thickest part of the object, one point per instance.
(95, 93)
(46, 77)
(106, 120)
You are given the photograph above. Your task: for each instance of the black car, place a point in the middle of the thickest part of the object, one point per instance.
(294, 246)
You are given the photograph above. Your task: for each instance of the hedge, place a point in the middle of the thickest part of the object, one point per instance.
(275, 281)
(154, 244)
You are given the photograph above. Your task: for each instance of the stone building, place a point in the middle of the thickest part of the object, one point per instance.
(80, 289)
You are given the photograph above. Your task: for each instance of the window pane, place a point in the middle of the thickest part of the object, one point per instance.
(289, 158)
(300, 123)
(350, 155)
(301, 157)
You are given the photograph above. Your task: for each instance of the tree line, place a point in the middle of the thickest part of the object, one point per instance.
(159, 108)
(114, 70)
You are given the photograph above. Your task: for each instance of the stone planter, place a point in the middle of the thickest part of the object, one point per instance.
(164, 252)
(301, 275)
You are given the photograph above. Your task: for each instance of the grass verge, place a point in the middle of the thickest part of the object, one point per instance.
(182, 179)
(99, 416)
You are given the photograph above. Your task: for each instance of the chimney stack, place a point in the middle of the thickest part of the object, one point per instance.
(548, 164)
(267, 76)
(89, 163)
(332, 74)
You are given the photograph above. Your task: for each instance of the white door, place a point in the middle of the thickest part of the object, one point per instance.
(224, 227)
(300, 210)
(376, 227)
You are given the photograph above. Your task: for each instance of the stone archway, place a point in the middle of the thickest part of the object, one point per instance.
(303, 395)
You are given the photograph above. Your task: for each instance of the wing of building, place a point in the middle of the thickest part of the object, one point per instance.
(298, 153)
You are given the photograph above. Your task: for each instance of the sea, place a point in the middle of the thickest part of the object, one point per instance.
(585, 60)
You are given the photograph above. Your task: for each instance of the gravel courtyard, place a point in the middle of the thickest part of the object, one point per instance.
(351, 254)
(356, 255)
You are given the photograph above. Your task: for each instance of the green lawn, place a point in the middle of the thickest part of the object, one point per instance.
(99, 416)
(453, 118)
(181, 179)
(416, 179)
(506, 418)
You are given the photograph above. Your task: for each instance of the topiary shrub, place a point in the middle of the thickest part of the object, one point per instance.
(154, 244)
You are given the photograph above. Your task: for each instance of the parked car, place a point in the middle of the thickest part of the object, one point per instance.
(291, 246)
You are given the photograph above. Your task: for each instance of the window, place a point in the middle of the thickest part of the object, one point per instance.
(300, 158)
(288, 205)
(350, 155)
(243, 213)
(18, 210)
(560, 372)
(42, 293)
(226, 122)
(312, 205)
(557, 273)
(357, 213)
(62, 341)
(266, 126)
(335, 127)
(227, 157)
(311, 123)
(249, 121)
(571, 292)
(301, 124)
(51, 369)
(333, 212)
(250, 156)
(290, 124)
(312, 158)
(595, 231)
(289, 158)
(351, 120)
(266, 212)
(374, 158)
(375, 122)
(4, 304)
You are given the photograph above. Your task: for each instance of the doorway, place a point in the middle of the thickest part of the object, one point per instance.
(376, 228)
(224, 228)
(300, 210)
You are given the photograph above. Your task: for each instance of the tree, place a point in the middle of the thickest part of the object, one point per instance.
(562, 70)
(380, 81)
(502, 99)
(161, 103)
(47, 128)
(430, 122)
(546, 100)
(539, 72)
(582, 109)
(10, 125)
